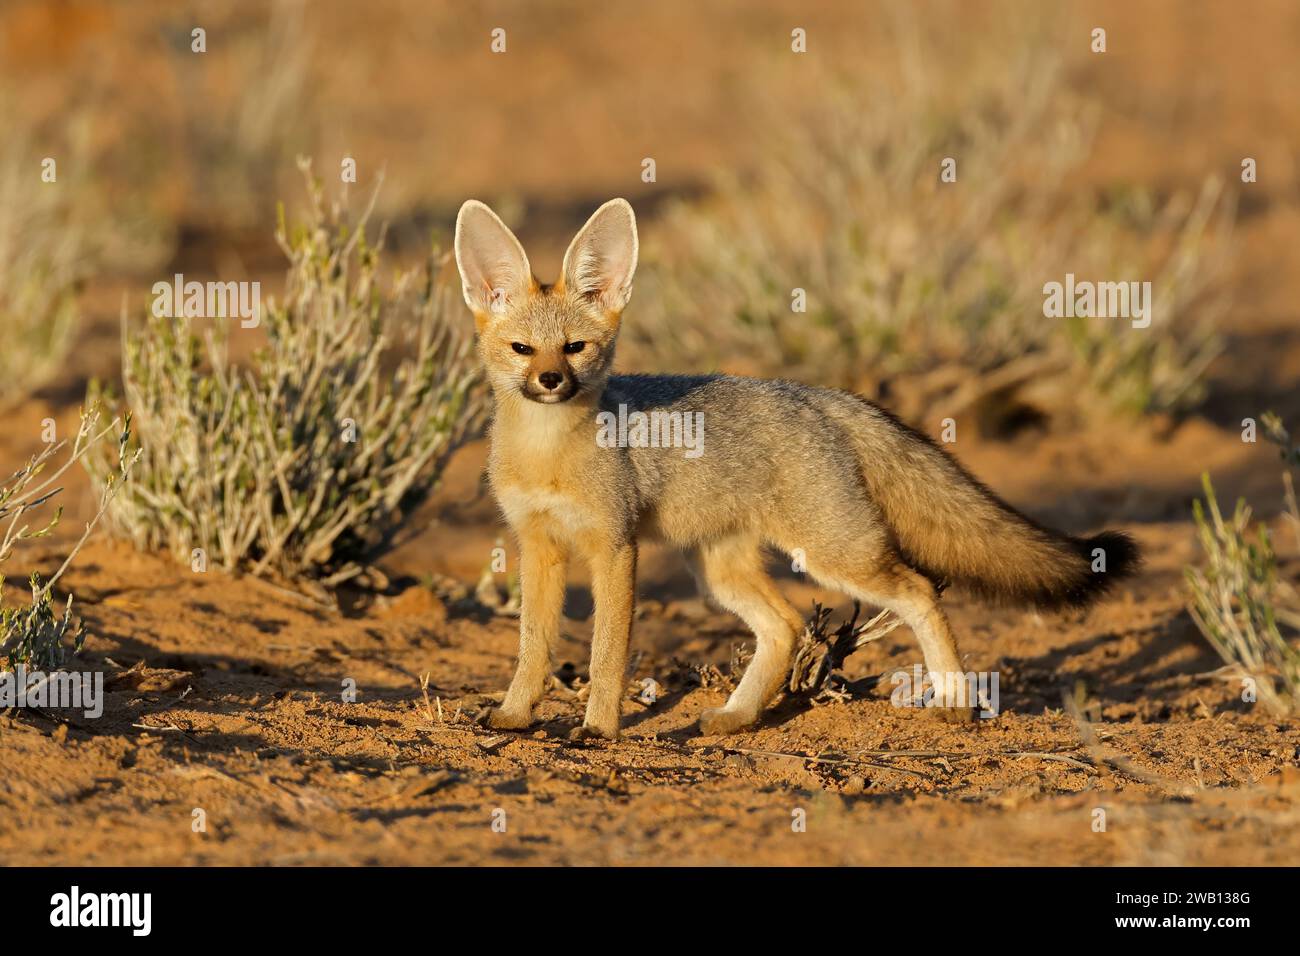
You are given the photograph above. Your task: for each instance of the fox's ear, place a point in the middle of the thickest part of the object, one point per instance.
(493, 268)
(602, 257)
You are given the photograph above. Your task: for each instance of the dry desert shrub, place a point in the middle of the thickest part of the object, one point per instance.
(37, 635)
(303, 465)
(937, 286)
(1241, 602)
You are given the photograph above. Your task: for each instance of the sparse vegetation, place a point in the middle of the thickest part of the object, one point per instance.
(40, 261)
(1245, 608)
(38, 635)
(304, 464)
(936, 286)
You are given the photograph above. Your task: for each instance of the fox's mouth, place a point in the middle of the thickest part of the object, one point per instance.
(556, 397)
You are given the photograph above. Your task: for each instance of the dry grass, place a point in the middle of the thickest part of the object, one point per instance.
(936, 287)
(304, 465)
(1249, 612)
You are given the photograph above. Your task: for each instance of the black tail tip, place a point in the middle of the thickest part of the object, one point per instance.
(1111, 556)
(1114, 554)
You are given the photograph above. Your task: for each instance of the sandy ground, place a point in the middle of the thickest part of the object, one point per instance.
(225, 695)
(238, 711)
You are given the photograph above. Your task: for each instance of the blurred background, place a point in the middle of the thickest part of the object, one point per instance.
(126, 157)
(773, 171)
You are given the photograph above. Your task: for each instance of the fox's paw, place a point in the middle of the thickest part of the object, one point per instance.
(963, 716)
(585, 731)
(500, 719)
(720, 720)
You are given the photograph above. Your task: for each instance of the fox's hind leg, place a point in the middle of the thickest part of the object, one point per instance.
(885, 580)
(733, 571)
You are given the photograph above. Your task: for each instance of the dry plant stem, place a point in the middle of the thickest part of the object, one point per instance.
(22, 494)
(35, 634)
(20, 497)
(424, 692)
(891, 754)
(106, 496)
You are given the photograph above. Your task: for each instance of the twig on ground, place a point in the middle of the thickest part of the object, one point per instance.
(424, 692)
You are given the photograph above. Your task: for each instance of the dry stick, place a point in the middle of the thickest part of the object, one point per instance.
(494, 740)
(1069, 761)
(810, 757)
(303, 600)
(167, 728)
(1044, 755)
(22, 499)
(915, 754)
(959, 754)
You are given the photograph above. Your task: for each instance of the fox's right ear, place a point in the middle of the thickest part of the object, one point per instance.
(493, 268)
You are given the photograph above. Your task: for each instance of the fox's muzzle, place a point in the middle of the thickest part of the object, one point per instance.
(551, 386)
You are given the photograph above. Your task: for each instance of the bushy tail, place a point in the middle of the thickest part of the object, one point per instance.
(953, 529)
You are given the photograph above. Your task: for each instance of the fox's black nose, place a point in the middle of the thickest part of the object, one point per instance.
(550, 379)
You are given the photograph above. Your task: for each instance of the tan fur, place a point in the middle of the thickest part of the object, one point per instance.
(876, 510)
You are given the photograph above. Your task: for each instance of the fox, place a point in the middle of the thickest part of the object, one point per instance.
(873, 508)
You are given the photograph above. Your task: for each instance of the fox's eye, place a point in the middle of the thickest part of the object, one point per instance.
(573, 348)
(521, 348)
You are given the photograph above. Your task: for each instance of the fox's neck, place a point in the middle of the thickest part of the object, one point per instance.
(519, 418)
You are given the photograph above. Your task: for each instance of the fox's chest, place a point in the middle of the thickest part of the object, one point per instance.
(554, 505)
(542, 490)
(558, 477)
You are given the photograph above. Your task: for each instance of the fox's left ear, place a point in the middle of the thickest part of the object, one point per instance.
(602, 257)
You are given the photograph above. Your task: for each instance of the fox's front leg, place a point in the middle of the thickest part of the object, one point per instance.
(613, 586)
(541, 581)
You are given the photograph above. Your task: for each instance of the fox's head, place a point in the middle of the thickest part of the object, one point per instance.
(547, 343)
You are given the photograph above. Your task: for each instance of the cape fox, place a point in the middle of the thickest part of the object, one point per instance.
(876, 510)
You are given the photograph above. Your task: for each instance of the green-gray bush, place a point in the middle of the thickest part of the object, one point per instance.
(304, 465)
